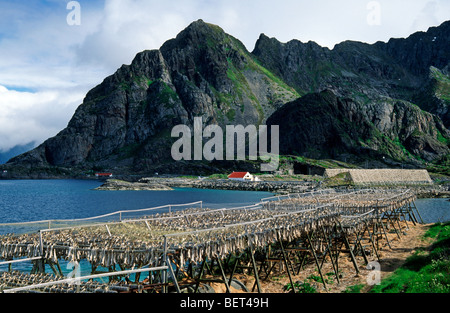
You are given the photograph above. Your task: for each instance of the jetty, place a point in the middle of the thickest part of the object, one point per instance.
(226, 184)
(184, 248)
(116, 184)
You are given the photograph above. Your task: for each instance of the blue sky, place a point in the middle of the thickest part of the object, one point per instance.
(48, 66)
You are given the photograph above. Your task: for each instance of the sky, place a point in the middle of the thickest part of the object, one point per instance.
(52, 52)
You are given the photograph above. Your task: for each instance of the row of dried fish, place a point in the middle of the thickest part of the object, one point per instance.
(18, 279)
(120, 244)
(360, 201)
(195, 232)
(354, 223)
(221, 242)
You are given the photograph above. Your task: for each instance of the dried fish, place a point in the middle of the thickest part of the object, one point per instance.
(195, 233)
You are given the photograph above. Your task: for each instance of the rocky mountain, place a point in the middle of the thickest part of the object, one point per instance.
(335, 127)
(434, 94)
(411, 69)
(378, 97)
(357, 99)
(126, 120)
(15, 151)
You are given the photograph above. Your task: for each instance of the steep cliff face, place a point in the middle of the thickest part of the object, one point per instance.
(385, 99)
(383, 95)
(421, 50)
(126, 120)
(434, 95)
(332, 126)
(395, 69)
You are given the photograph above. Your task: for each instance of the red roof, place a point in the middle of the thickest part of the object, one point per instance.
(237, 175)
(103, 174)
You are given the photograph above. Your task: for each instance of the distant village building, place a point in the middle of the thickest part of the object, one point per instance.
(103, 175)
(242, 176)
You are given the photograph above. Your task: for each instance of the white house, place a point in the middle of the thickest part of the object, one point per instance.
(242, 176)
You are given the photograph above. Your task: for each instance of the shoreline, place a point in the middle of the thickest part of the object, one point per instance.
(276, 187)
(116, 184)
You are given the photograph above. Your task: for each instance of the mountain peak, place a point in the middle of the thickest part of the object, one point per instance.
(125, 122)
(265, 42)
(199, 35)
(199, 29)
(199, 24)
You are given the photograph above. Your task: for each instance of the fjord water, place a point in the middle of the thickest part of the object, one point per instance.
(434, 210)
(34, 200)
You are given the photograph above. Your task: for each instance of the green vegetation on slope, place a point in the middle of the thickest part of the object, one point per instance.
(441, 166)
(427, 271)
(442, 87)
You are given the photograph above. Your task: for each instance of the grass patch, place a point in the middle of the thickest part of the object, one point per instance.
(218, 176)
(442, 86)
(231, 114)
(354, 289)
(301, 287)
(255, 65)
(441, 138)
(441, 166)
(167, 96)
(427, 271)
(308, 285)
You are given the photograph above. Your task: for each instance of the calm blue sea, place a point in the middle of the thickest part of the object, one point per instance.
(34, 200)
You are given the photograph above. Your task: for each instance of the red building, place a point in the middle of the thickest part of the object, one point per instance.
(103, 175)
(242, 176)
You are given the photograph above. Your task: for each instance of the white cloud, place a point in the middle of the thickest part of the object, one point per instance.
(33, 117)
(427, 16)
(40, 85)
(131, 26)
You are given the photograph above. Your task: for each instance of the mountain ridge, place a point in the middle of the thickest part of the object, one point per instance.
(124, 123)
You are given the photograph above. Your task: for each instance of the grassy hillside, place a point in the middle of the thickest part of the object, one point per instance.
(427, 271)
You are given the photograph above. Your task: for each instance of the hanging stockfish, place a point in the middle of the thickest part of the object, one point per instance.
(195, 233)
